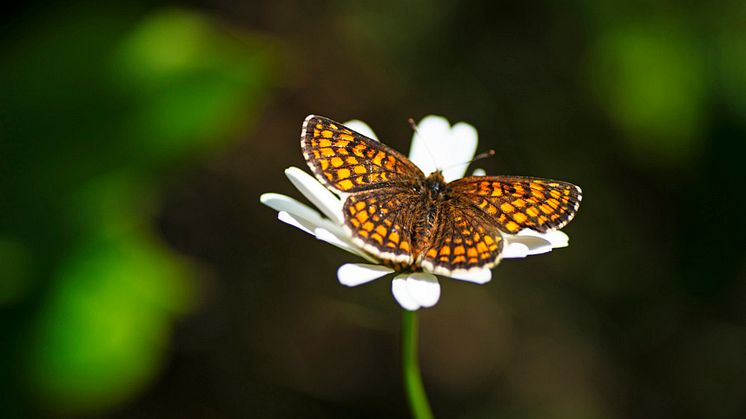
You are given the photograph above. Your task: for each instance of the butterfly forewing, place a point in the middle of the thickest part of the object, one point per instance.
(521, 202)
(349, 162)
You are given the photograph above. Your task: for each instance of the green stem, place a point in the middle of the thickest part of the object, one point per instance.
(411, 368)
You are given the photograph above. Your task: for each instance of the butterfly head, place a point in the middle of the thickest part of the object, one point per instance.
(435, 184)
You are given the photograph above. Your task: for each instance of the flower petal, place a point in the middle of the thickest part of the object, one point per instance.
(515, 250)
(354, 274)
(297, 222)
(557, 238)
(536, 244)
(402, 295)
(304, 218)
(461, 149)
(436, 145)
(289, 205)
(423, 288)
(312, 189)
(478, 276)
(361, 128)
(341, 242)
(427, 142)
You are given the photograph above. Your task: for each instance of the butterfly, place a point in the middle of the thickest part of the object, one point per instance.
(415, 222)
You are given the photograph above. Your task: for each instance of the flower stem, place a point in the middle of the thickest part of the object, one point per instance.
(411, 368)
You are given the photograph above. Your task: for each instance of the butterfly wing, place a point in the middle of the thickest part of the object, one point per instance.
(347, 161)
(386, 222)
(517, 202)
(465, 238)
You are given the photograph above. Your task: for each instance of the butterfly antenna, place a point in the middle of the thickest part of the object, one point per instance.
(480, 156)
(417, 133)
(486, 154)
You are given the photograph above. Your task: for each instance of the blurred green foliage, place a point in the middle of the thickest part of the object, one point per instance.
(101, 106)
(652, 79)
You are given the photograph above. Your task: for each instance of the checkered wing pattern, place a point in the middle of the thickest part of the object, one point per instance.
(385, 222)
(349, 162)
(465, 238)
(522, 202)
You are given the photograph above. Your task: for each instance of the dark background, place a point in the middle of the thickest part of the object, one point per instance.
(142, 278)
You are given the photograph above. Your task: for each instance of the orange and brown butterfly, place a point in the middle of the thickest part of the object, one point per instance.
(416, 222)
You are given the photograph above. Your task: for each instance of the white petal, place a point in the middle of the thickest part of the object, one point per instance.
(341, 242)
(479, 172)
(423, 288)
(478, 276)
(361, 128)
(402, 295)
(425, 151)
(312, 189)
(536, 245)
(461, 149)
(296, 222)
(311, 222)
(438, 146)
(354, 274)
(515, 250)
(557, 238)
(289, 205)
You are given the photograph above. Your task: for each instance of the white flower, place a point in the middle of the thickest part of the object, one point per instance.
(447, 147)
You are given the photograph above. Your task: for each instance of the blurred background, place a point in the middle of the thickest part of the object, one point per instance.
(141, 278)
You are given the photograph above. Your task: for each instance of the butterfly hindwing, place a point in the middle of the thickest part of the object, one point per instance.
(465, 238)
(382, 221)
